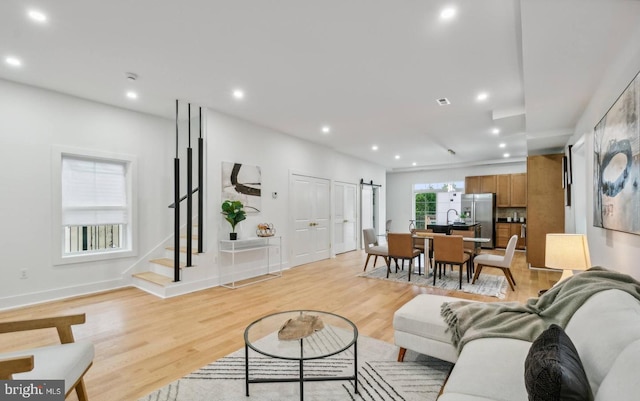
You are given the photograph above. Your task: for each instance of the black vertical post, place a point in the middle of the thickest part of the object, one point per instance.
(189, 195)
(176, 210)
(200, 186)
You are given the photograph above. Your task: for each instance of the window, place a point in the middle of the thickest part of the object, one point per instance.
(96, 204)
(425, 206)
(425, 200)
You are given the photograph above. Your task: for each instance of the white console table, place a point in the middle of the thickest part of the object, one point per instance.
(251, 245)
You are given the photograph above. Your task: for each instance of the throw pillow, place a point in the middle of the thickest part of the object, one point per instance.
(553, 370)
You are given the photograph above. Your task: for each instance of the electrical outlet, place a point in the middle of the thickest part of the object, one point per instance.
(23, 274)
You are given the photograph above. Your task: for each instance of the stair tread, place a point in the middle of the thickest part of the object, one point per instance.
(183, 249)
(154, 278)
(166, 262)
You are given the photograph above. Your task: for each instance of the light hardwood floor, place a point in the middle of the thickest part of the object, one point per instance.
(143, 342)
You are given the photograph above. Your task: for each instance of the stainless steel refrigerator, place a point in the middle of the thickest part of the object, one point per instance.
(481, 209)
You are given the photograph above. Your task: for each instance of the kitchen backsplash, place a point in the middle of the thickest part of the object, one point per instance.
(505, 212)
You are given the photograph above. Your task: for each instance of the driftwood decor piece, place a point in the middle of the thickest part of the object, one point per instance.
(300, 327)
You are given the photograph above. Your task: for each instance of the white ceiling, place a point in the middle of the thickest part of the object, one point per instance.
(371, 69)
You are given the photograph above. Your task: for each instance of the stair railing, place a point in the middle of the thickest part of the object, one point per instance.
(190, 191)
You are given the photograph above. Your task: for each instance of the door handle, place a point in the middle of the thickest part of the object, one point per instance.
(345, 221)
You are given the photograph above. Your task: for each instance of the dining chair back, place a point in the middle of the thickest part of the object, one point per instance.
(401, 247)
(471, 248)
(371, 247)
(449, 249)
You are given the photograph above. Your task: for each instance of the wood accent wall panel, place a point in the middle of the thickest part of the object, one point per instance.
(545, 204)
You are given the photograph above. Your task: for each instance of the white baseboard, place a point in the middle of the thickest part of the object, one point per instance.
(34, 298)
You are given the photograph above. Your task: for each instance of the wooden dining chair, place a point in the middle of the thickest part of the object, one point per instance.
(470, 248)
(449, 250)
(421, 243)
(400, 246)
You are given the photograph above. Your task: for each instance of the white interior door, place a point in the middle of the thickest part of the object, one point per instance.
(312, 216)
(345, 217)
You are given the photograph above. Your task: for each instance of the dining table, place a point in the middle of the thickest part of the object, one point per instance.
(428, 238)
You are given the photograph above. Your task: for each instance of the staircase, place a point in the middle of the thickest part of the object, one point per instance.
(159, 278)
(178, 270)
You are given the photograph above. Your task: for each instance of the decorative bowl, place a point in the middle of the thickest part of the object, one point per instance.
(265, 230)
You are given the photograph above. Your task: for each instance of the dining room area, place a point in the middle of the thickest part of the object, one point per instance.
(451, 258)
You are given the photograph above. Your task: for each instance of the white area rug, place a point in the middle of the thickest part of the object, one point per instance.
(487, 284)
(380, 378)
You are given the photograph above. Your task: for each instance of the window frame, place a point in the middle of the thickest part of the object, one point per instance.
(129, 245)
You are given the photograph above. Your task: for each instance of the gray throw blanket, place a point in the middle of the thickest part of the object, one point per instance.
(470, 320)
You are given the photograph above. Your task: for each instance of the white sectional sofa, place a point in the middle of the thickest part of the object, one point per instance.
(605, 331)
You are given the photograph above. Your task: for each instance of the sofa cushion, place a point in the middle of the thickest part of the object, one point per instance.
(421, 316)
(553, 371)
(621, 383)
(601, 329)
(489, 368)
(57, 362)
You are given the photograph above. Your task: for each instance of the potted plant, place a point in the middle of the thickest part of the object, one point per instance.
(234, 213)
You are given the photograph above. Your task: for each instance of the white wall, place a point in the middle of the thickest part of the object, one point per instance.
(611, 249)
(400, 187)
(31, 121)
(232, 140)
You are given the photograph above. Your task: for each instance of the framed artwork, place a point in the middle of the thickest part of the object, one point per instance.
(243, 183)
(616, 164)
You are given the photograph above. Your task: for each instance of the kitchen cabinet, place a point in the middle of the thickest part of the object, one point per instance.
(545, 204)
(472, 185)
(503, 233)
(488, 184)
(480, 184)
(503, 190)
(518, 190)
(516, 229)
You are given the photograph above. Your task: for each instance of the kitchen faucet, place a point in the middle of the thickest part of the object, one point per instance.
(455, 211)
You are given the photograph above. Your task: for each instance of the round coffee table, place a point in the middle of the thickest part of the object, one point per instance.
(338, 335)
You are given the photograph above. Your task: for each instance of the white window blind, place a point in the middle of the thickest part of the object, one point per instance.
(94, 192)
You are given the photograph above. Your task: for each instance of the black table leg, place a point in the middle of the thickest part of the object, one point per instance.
(246, 367)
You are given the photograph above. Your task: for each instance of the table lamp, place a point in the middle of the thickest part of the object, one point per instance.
(568, 252)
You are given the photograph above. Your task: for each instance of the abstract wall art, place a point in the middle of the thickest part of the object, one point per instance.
(243, 183)
(616, 164)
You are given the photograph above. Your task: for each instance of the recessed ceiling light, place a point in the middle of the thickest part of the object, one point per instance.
(506, 155)
(326, 129)
(482, 96)
(37, 16)
(13, 61)
(374, 147)
(503, 145)
(238, 94)
(414, 164)
(495, 131)
(132, 95)
(447, 13)
(397, 157)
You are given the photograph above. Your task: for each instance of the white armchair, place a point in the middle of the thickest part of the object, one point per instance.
(67, 361)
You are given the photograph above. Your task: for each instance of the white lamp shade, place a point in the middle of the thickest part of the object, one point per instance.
(567, 252)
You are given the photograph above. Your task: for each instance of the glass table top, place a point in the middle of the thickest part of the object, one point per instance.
(334, 334)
